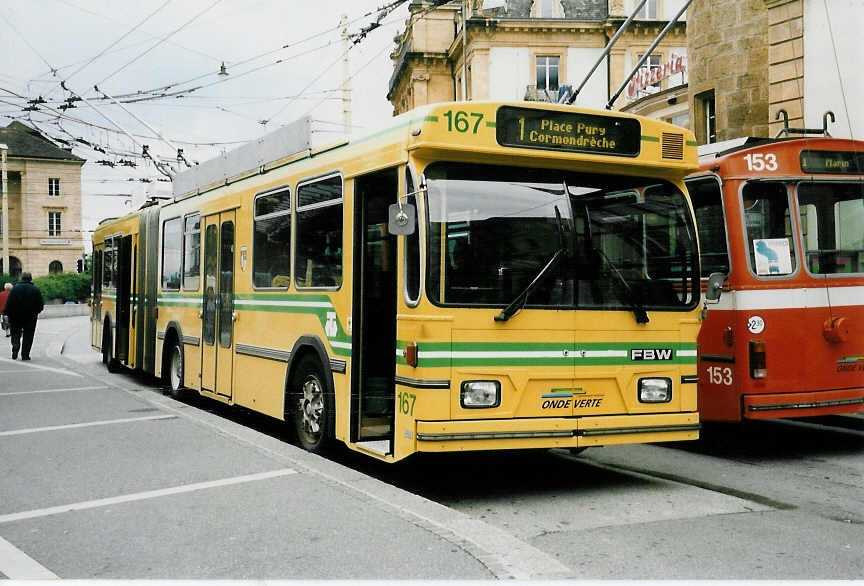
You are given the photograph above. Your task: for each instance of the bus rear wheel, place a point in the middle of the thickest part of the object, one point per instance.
(313, 407)
(174, 374)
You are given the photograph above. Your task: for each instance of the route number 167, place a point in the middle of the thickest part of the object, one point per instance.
(720, 375)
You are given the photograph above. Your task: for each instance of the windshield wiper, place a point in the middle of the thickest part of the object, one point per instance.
(520, 300)
(638, 311)
(635, 305)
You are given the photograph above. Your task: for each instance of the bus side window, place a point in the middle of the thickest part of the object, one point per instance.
(172, 254)
(271, 249)
(707, 201)
(318, 251)
(412, 247)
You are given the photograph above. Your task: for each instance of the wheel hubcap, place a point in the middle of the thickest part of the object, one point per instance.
(176, 369)
(311, 409)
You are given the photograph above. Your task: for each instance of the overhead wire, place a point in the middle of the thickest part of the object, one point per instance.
(162, 40)
(112, 45)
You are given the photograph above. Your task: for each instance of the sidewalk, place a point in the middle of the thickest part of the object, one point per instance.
(296, 515)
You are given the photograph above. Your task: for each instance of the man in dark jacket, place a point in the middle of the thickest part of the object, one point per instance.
(23, 306)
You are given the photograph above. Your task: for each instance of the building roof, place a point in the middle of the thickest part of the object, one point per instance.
(582, 10)
(25, 142)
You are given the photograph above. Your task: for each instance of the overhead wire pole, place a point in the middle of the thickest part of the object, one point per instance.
(464, 49)
(606, 51)
(648, 53)
(346, 76)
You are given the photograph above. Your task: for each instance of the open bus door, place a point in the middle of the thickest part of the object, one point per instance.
(373, 345)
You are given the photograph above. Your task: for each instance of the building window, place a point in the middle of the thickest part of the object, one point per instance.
(192, 252)
(14, 264)
(271, 249)
(705, 118)
(682, 119)
(55, 267)
(547, 73)
(1, 223)
(54, 186)
(651, 67)
(172, 257)
(648, 11)
(53, 223)
(547, 9)
(318, 255)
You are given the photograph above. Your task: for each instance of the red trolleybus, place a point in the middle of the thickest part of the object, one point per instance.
(781, 229)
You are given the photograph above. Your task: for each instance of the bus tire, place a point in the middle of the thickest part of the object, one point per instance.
(108, 349)
(175, 365)
(313, 406)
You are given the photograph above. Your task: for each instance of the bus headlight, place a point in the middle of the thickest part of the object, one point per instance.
(655, 390)
(480, 394)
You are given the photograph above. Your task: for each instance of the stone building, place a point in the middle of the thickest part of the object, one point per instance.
(527, 50)
(44, 199)
(750, 59)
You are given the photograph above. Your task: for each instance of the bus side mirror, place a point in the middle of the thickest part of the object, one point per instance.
(402, 219)
(715, 287)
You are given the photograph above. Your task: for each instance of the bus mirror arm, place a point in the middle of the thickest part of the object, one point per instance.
(715, 287)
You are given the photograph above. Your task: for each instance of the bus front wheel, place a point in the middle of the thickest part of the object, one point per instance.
(107, 349)
(313, 406)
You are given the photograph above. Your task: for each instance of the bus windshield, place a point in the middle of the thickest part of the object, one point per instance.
(832, 226)
(594, 241)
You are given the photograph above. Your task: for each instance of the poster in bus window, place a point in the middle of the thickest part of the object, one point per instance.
(772, 256)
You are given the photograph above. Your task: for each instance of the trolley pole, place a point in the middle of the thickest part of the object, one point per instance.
(647, 54)
(606, 51)
(5, 226)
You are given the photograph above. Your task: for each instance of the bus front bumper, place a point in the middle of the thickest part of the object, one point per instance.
(809, 404)
(554, 432)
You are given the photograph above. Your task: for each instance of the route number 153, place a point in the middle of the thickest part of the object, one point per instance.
(761, 162)
(720, 375)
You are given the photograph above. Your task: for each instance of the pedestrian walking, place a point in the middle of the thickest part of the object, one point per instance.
(4, 321)
(23, 307)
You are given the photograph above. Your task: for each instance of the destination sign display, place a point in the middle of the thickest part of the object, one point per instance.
(832, 162)
(568, 131)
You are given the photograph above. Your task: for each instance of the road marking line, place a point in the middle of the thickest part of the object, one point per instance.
(38, 367)
(88, 424)
(139, 496)
(14, 371)
(51, 390)
(17, 565)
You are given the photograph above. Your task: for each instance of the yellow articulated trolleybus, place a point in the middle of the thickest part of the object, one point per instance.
(476, 276)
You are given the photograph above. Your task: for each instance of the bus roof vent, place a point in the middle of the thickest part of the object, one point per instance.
(250, 158)
(673, 146)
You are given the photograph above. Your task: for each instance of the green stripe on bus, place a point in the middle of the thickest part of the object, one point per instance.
(430, 118)
(647, 138)
(692, 143)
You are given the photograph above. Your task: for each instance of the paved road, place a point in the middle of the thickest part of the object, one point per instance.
(103, 477)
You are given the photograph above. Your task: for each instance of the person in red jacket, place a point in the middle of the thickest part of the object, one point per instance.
(4, 321)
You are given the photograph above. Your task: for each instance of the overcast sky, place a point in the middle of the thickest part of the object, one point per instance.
(130, 47)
